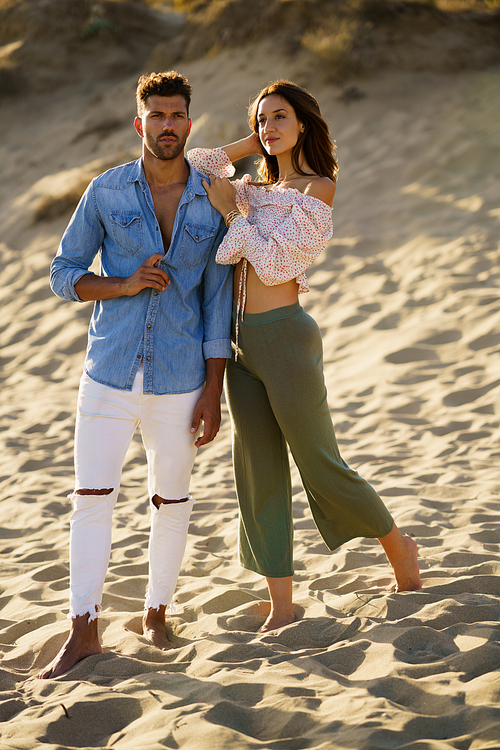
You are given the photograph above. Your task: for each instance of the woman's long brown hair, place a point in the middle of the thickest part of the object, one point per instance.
(314, 144)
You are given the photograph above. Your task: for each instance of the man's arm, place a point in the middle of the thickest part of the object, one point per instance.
(207, 408)
(70, 277)
(148, 275)
(79, 246)
(216, 306)
(216, 313)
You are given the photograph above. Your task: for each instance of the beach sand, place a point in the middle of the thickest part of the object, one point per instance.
(407, 299)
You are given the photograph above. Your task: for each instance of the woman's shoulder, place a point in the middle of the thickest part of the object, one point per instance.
(322, 188)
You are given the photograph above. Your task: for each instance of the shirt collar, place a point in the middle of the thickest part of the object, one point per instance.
(193, 187)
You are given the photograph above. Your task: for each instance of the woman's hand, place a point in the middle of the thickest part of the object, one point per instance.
(253, 144)
(221, 194)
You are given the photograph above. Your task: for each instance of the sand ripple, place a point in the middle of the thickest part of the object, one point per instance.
(407, 299)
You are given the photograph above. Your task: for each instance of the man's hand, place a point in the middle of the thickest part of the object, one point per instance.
(92, 287)
(148, 275)
(207, 408)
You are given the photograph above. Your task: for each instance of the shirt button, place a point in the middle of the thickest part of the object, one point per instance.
(155, 294)
(124, 223)
(148, 358)
(138, 356)
(197, 238)
(149, 326)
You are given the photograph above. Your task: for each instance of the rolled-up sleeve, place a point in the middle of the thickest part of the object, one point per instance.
(217, 304)
(79, 246)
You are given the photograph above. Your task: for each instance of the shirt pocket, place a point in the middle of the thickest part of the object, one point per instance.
(196, 244)
(126, 227)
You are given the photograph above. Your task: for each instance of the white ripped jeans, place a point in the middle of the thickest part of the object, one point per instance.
(106, 420)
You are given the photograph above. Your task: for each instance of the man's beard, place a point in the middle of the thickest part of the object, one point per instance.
(166, 152)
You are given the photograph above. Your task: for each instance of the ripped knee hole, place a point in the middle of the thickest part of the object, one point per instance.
(94, 492)
(157, 501)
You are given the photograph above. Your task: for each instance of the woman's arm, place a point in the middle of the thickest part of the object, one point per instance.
(219, 161)
(242, 148)
(287, 249)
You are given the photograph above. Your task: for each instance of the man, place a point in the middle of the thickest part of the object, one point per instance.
(158, 343)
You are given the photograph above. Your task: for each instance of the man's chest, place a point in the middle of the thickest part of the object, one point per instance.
(166, 202)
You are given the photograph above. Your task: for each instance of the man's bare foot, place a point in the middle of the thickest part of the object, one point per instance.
(278, 620)
(401, 551)
(82, 641)
(153, 628)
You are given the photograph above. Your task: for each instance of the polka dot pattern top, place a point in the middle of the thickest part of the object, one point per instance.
(283, 231)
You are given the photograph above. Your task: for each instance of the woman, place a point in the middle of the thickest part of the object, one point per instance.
(275, 386)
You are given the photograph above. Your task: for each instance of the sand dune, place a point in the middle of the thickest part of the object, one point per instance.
(407, 299)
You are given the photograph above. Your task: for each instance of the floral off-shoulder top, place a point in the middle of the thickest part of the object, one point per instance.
(282, 230)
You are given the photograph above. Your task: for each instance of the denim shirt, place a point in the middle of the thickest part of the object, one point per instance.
(173, 332)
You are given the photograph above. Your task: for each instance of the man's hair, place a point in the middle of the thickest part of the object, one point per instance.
(170, 83)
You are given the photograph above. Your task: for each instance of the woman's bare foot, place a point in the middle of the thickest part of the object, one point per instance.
(153, 628)
(407, 572)
(277, 620)
(282, 611)
(401, 551)
(83, 641)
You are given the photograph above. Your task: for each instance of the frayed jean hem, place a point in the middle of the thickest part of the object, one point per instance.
(92, 615)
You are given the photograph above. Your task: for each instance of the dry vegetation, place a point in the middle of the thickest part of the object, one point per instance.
(352, 36)
(112, 38)
(48, 43)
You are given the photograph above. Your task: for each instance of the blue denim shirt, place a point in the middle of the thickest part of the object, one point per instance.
(174, 331)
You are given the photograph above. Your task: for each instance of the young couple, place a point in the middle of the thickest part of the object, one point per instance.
(169, 233)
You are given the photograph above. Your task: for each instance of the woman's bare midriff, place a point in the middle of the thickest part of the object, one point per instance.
(261, 298)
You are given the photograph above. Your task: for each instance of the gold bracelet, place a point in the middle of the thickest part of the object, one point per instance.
(231, 216)
(233, 219)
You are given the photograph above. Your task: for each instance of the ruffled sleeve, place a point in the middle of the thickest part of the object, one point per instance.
(211, 161)
(215, 161)
(283, 251)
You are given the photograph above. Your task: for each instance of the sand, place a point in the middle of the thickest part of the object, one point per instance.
(407, 299)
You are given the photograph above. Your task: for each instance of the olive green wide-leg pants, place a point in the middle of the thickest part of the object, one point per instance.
(277, 396)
